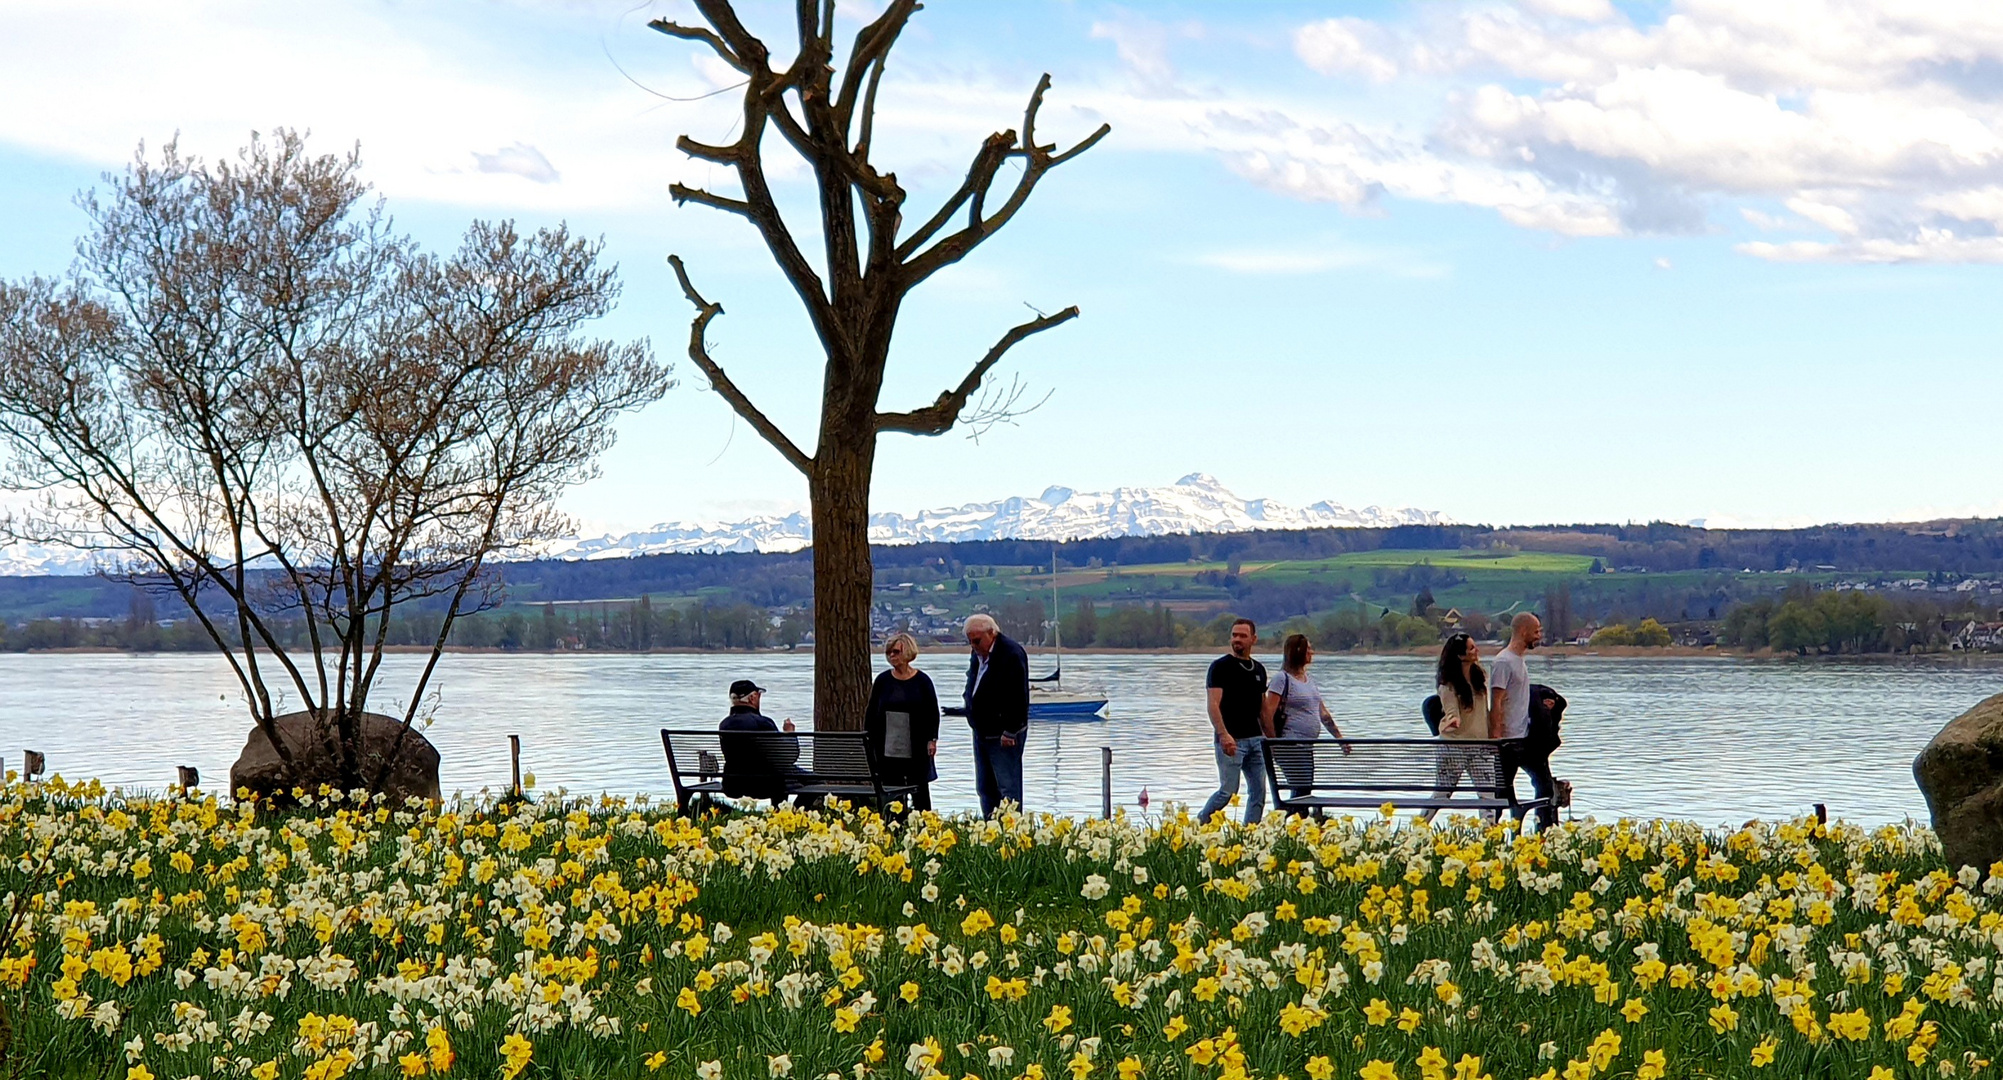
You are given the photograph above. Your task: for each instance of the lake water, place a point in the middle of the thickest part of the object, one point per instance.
(1715, 740)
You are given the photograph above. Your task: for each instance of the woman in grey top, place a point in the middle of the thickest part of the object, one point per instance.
(1295, 709)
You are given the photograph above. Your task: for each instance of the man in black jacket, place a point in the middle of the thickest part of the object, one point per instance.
(1533, 754)
(997, 700)
(760, 759)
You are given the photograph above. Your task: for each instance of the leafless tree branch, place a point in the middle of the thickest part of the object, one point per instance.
(939, 417)
(721, 382)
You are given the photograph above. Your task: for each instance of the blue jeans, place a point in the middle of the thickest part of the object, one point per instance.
(998, 771)
(1250, 765)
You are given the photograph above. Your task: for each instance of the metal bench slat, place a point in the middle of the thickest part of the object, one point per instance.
(1419, 774)
(838, 763)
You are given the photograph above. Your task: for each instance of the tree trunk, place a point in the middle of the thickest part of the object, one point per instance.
(844, 580)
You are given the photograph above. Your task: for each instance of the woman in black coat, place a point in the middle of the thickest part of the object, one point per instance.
(903, 720)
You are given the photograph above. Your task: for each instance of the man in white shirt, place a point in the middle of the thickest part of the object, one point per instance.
(1509, 713)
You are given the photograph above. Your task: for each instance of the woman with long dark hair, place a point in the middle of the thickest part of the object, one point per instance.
(1463, 690)
(1295, 709)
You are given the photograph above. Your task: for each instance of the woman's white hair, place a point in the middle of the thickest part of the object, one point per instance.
(981, 620)
(900, 638)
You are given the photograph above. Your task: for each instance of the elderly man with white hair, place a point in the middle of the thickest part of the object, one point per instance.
(997, 698)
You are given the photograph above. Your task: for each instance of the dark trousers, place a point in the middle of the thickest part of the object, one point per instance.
(998, 771)
(1537, 763)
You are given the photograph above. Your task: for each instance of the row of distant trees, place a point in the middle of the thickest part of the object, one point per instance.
(635, 627)
(1837, 622)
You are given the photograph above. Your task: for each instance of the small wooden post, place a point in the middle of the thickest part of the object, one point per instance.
(515, 756)
(1106, 782)
(32, 764)
(1821, 814)
(190, 777)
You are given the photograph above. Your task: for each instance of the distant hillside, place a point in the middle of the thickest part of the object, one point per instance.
(1950, 548)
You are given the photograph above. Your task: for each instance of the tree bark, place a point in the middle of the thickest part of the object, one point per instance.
(844, 578)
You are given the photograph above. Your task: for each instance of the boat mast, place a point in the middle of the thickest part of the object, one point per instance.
(1056, 617)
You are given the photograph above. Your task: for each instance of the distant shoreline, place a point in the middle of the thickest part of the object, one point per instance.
(1562, 652)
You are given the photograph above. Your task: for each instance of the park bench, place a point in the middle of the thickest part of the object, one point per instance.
(1311, 775)
(838, 763)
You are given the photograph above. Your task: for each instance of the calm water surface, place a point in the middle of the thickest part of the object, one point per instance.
(1715, 740)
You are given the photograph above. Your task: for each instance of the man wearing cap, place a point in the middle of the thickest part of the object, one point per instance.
(756, 760)
(997, 698)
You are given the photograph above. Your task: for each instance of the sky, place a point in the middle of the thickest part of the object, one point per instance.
(1516, 261)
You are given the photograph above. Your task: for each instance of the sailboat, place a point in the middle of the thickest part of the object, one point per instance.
(1048, 700)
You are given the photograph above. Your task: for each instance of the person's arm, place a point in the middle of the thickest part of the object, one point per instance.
(928, 718)
(1498, 700)
(1018, 684)
(1269, 706)
(1450, 711)
(1224, 738)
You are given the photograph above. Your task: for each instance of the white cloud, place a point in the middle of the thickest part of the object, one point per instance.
(1336, 47)
(1583, 10)
(520, 160)
(1319, 260)
(439, 115)
(1142, 45)
(1878, 122)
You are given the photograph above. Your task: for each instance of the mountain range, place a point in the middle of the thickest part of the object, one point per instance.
(1197, 503)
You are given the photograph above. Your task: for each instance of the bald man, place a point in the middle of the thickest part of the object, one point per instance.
(997, 698)
(1509, 714)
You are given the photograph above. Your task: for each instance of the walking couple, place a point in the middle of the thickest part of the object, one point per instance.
(1246, 710)
(1494, 703)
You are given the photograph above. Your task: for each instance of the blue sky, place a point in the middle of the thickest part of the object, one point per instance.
(1529, 261)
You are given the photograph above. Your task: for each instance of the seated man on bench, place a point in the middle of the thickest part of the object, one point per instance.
(758, 763)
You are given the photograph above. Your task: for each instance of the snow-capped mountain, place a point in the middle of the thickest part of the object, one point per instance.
(1196, 503)
(39, 560)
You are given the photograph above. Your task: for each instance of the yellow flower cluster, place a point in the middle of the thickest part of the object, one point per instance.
(180, 938)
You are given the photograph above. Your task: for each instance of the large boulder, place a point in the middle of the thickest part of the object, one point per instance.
(1961, 774)
(316, 758)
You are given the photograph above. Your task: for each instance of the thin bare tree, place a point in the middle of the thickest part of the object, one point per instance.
(853, 293)
(252, 394)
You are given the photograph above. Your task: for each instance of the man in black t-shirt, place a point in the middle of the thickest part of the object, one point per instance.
(1237, 690)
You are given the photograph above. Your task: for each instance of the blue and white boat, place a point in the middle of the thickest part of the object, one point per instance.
(1048, 700)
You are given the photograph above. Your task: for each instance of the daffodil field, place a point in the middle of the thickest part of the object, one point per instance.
(186, 938)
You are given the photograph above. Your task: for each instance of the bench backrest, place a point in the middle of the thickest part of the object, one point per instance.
(700, 756)
(1392, 767)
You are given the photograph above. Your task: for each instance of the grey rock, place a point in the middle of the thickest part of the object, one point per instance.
(1961, 774)
(316, 754)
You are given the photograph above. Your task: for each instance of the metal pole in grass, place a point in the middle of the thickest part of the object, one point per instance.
(1106, 782)
(515, 764)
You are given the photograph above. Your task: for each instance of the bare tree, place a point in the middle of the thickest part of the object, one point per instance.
(870, 263)
(252, 394)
